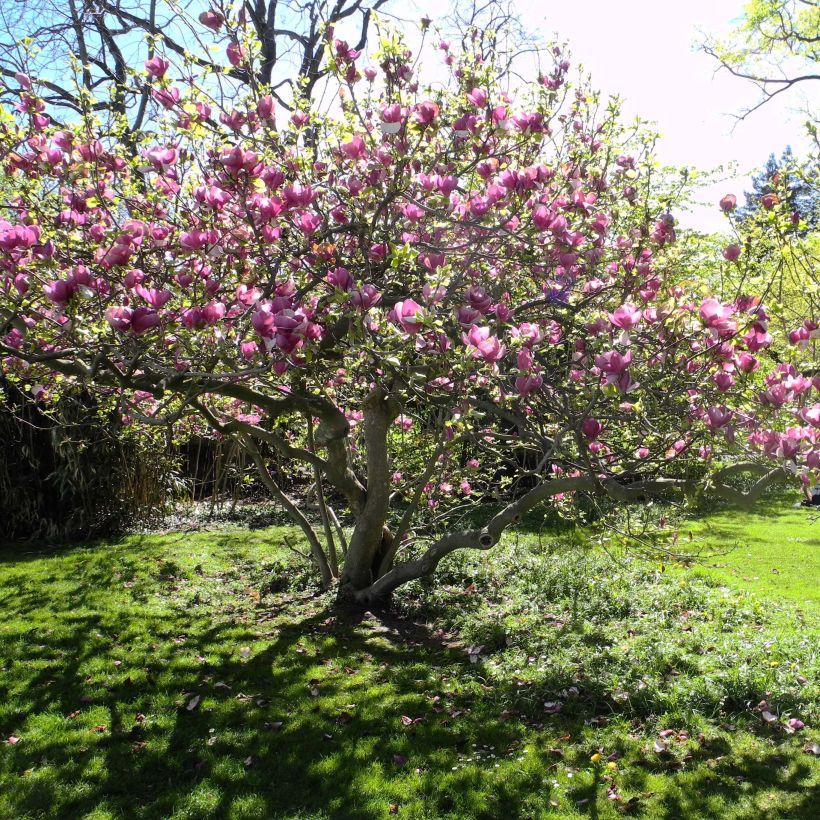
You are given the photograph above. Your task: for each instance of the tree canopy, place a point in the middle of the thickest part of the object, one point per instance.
(428, 295)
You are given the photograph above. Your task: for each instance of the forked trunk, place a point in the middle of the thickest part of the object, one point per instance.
(362, 568)
(371, 539)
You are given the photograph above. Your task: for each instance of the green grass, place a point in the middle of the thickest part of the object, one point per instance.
(305, 713)
(773, 550)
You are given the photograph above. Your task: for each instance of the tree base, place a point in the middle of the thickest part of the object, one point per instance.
(350, 599)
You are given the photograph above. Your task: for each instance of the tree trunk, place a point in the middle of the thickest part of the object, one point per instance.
(371, 538)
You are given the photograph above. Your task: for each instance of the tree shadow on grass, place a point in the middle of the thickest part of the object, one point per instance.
(326, 715)
(297, 731)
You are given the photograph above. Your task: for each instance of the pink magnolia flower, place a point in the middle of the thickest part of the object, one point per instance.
(265, 107)
(59, 291)
(156, 298)
(340, 278)
(409, 315)
(194, 240)
(797, 383)
(482, 344)
(142, 320)
(213, 312)
(530, 332)
(412, 211)
(528, 122)
(309, 222)
(613, 362)
(731, 253)
(591, 428)
(626, 316)
(14, 338)
(344, 52)
(377, 252)
(433, 295)
(426, 112)
(212, 20)
(528, 384)
(467, 315)
(768, 201)
(298, 196)
(192, 318)
(542, 217)
(811, 415)
(17, 236)
(133, 277)
(800, 336)
(162, 158)
(235, 53)
(479, 299)
(775, 396)
(717, 417)
(625, 383)
(119, 318)
(291, 329)
(433, 261)
(22, 284)
(445, 184)
(757, 338)
(157, 66)
(391, 119)
(746, 363)
(354, 149)
(503, 312)
(728, 203)
(166, 97)
(717, 316)
(263, 322)
(524, 359)
(478, 97)
(366, 297)
(788, 448)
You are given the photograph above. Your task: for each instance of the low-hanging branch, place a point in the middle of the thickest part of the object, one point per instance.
(489, 535)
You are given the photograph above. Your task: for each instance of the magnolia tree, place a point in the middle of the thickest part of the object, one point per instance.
(481, 276)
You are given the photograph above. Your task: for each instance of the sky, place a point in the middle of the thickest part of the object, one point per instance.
(644, 51)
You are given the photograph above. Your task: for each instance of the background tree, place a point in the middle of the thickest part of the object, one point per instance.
(776, 47)
(776, 239)
(84, 52)
(797, 180)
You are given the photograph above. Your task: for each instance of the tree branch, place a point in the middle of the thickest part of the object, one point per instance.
(295, 513)
(513, 513)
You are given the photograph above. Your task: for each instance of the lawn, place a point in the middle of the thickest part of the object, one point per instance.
(773, 550)
(202, 675)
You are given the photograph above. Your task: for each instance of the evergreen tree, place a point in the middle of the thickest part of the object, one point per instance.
(790, 179)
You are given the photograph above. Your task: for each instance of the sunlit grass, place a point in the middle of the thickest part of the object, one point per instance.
(773, 550)
(202, 675)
